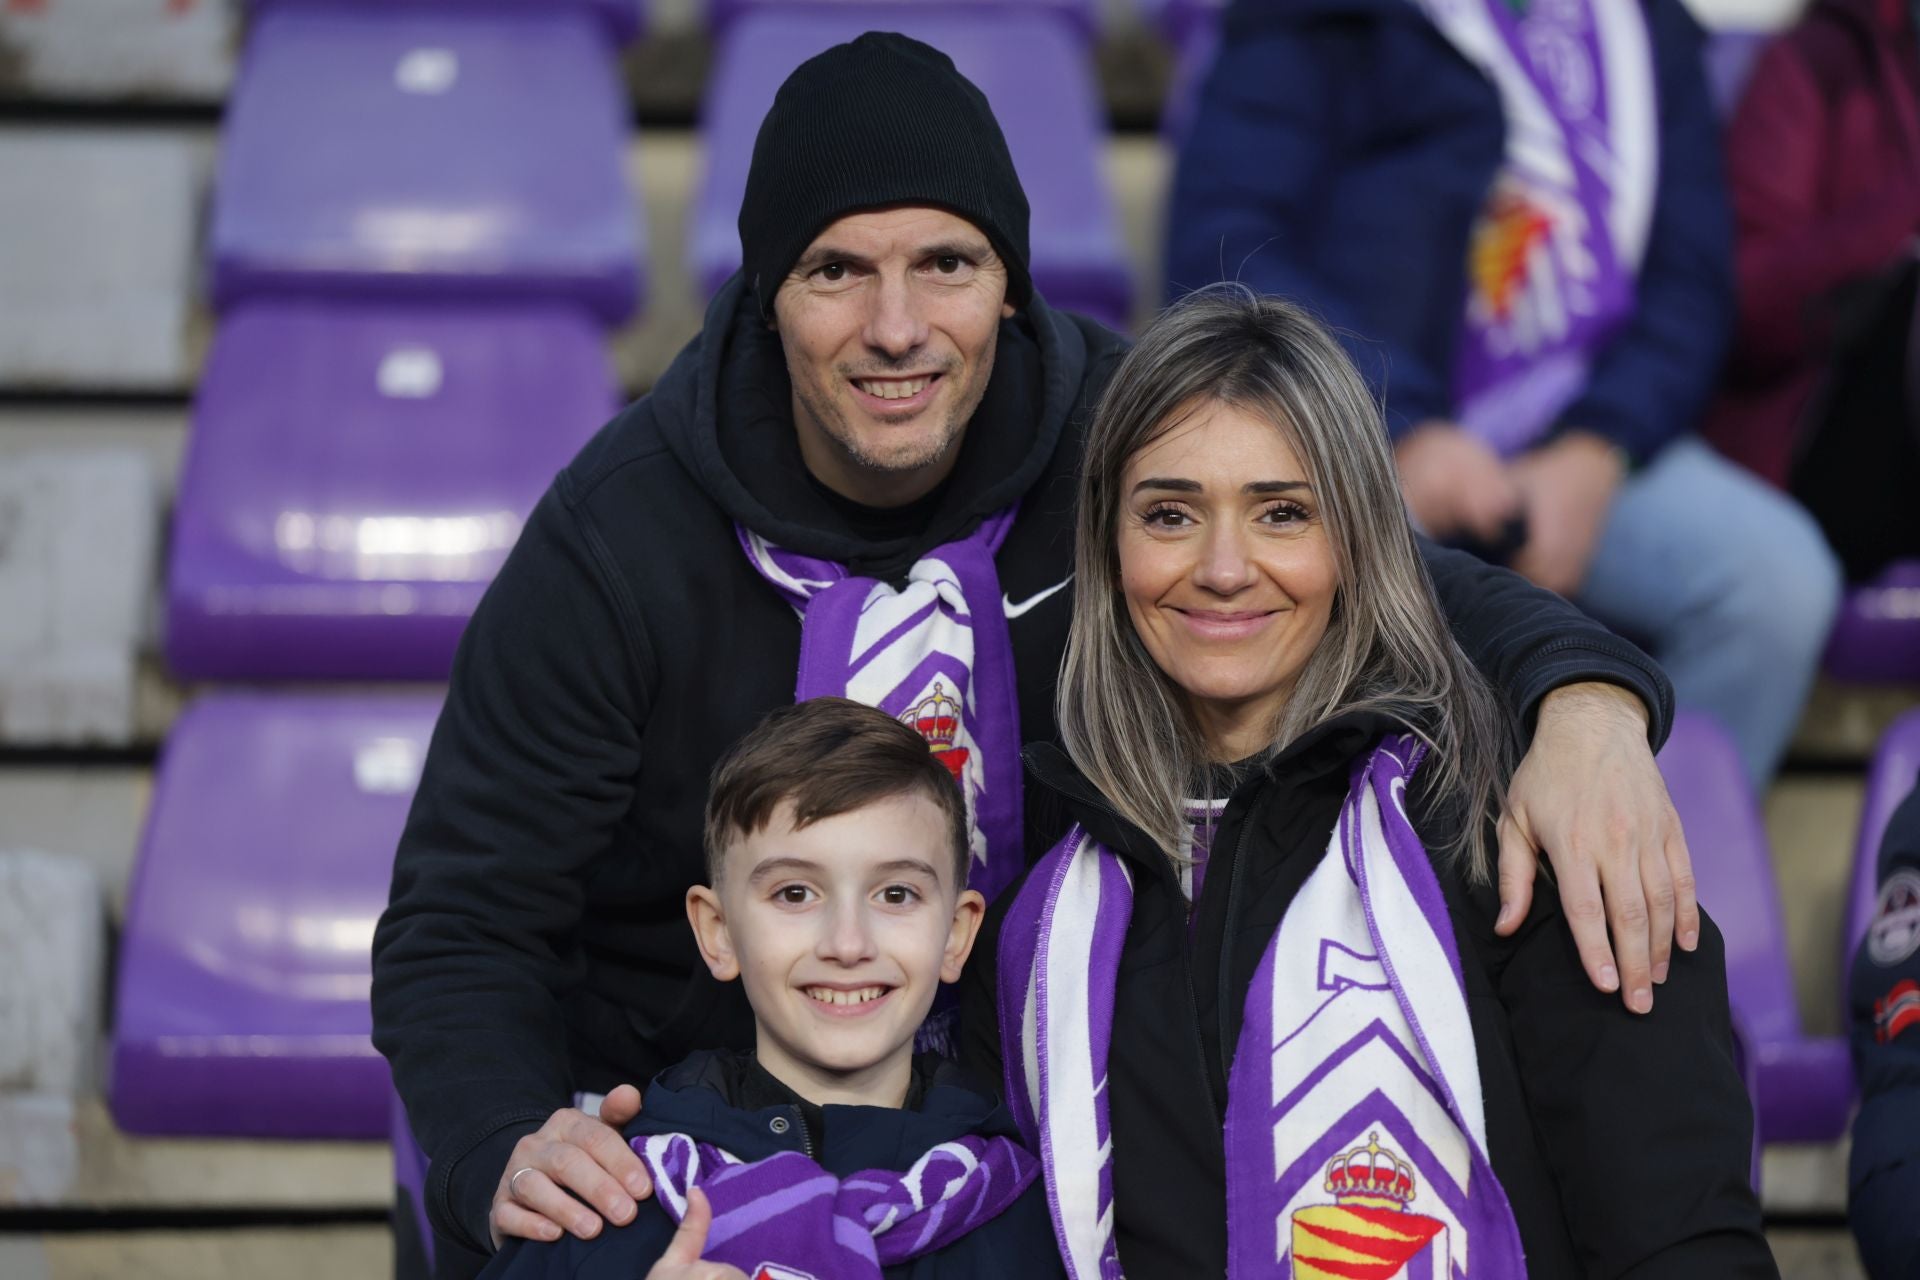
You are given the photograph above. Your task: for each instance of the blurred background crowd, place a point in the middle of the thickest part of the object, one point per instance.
(303, 302)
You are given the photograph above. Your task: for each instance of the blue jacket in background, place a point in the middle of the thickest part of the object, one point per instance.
(1339, 156)
(697, 1098)
(1883, 1175)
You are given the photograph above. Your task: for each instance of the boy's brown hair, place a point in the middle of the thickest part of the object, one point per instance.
(828, 756)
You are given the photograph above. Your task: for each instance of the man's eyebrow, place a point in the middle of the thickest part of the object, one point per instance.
(956, 249)
(780, 866)
(819, 256)
(813, 259)
(1169, 484)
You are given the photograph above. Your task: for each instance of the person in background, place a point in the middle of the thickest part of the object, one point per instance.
(1823, 158)
(857, 480)
(1883, 1169)
(1514, 214)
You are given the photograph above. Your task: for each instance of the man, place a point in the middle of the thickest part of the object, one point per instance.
(857, 480)
(1516, 213)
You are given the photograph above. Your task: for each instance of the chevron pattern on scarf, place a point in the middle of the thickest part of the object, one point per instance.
(933, 652)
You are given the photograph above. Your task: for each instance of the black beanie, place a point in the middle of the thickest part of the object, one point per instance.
(880, 121)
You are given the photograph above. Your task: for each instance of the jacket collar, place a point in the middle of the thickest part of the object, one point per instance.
(702, 1098)
(1328, 747)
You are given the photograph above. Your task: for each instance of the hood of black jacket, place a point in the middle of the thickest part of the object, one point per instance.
(697, 1098)
(724, 408)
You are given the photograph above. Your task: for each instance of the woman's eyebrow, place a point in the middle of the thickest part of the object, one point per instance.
(1171, 485)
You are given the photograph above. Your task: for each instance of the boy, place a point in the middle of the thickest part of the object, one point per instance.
(837, 858)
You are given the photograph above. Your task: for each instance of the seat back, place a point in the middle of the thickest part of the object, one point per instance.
(1733, 866)
(1876, 638)
(463, 153)
(356, 476)
(1081, 16)
(241, 1005)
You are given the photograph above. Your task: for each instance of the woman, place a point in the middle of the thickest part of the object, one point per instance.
(1290, 960)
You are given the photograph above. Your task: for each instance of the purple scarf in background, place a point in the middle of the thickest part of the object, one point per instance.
(785, 1215)
(1355, 1127)
(1559, 242)
(935, 654)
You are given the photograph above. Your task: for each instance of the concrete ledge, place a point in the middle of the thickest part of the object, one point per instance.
(115, 1171)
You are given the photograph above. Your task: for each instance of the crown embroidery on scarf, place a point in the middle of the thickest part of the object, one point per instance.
(1368, 1229)
(937, 719)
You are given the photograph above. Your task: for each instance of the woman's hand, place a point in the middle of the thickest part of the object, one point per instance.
(682, 1260)
(1589, 793)
(571, 1152)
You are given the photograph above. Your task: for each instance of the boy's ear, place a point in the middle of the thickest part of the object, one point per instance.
(968, 911)
(709, 921)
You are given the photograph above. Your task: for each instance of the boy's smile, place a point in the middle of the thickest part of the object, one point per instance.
(841, 932)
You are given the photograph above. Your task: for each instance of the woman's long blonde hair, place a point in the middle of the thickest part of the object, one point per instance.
(1387, 646)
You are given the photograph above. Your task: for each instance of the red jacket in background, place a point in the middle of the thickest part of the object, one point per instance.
(1823, 158)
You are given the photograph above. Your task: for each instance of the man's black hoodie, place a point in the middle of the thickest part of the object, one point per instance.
(536, 941)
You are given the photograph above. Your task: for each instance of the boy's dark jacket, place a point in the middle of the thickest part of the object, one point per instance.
(1621, 1140)
(536, 941)
(726, 1100)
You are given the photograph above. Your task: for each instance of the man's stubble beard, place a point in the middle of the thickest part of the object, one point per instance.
(831, 422)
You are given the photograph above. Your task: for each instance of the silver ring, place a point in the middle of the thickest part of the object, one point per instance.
(513, 1188)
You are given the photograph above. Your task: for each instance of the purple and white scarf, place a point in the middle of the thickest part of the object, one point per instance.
(786, 1218)
(1559, 242)
(934, 653)
(1355, 1125)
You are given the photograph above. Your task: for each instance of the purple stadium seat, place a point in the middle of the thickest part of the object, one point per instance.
(1895, 770)
(1876, 639)
(1083, 15)
(471, 153)
(244, 968)
(1805, 1084)
(621, 17)
(412, 1234)
(356, 475)
(1033, 71)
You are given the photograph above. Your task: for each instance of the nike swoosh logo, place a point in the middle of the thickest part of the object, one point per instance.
(1013, 610)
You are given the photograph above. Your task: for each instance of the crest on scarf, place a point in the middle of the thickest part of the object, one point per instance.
(937, 719)
(774, 1271)
(1368, 1229)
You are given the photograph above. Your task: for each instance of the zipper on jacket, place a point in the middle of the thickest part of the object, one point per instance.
(806, 1134)
(1199, 1037)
